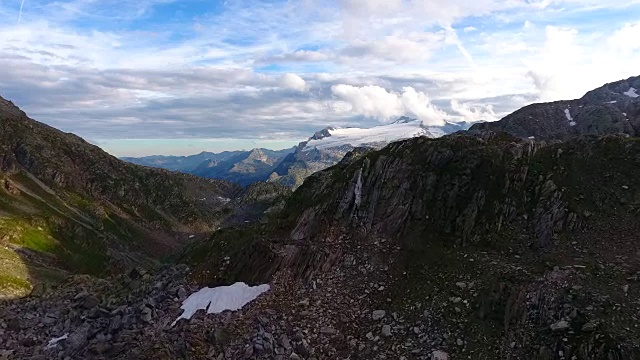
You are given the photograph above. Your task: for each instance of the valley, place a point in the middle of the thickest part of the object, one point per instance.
(515, 239)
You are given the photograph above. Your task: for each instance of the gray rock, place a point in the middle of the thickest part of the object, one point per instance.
(589, 327)
(327, 330)
(38, 290)
(439, 355)
(378, 314)
(90, 302)
(49, 319)
(284, 342)
(561, 325)
(386, 330)
(147, 315)
(115, 323)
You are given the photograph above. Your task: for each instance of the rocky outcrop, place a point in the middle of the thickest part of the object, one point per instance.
(462, 187)
(611, 109)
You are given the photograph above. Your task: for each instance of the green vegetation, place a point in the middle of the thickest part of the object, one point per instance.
(9, 282)
(21, 232)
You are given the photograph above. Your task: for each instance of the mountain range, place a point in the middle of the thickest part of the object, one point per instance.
(513, 240)
(241, 167)
(289, 167)
(327, 147)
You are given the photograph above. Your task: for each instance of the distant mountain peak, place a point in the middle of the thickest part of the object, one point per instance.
(404, 120)
(322, 133)
(9, 110)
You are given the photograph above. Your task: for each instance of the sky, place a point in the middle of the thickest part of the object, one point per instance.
(178, 77)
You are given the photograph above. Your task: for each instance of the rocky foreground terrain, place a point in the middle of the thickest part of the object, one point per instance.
(479, 245)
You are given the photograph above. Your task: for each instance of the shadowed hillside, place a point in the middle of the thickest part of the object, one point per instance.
(67, 205)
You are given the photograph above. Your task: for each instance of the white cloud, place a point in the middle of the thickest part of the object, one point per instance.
(300, 55)
(418, 104)
(293, 82)
(372, 101)
(377, 102)
(406, 47)
(569, 63)
(470, 112)
(627, 38)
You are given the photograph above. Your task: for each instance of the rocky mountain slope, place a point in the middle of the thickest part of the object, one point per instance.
(65, 205)
(471, 245)
(611, 109)
(328, 146)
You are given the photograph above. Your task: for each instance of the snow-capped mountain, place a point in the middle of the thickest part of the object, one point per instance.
(328, 146)
(374, 137)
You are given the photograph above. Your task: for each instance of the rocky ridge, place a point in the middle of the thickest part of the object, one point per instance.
(611, 109)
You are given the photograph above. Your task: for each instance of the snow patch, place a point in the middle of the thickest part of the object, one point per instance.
(567, 113)
(612, 102)
(54, 342)
(632, 93)
(376, 135)
(221, 298)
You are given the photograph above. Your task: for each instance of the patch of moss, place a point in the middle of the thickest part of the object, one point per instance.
(7, 281)
(32, 237)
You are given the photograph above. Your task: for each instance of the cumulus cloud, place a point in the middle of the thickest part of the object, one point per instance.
(469, 112)
(377, 102)
(293, 82)
(626, 38)
(418, 104)
(372, 101)
(567, 64)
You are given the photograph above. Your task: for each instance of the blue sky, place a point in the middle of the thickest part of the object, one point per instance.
(179, 77)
